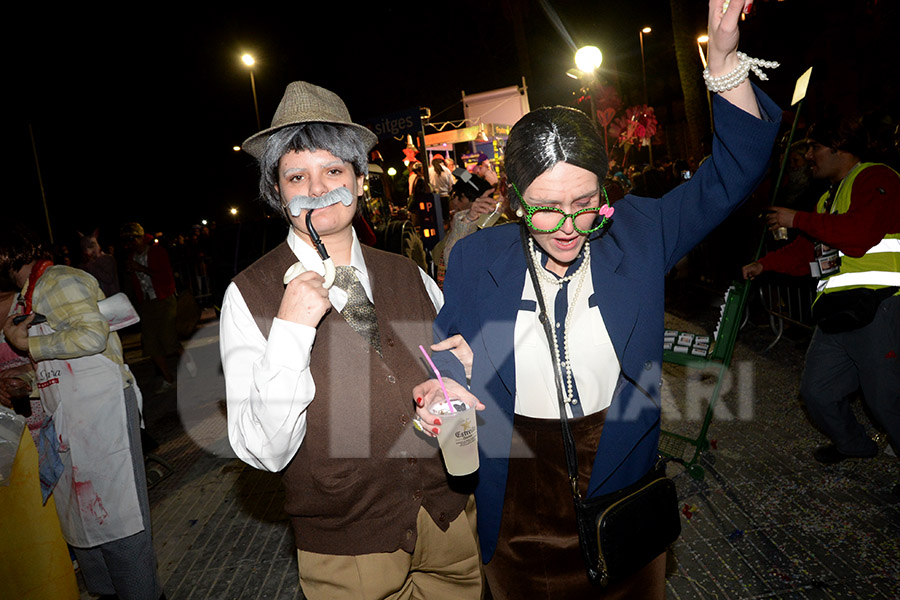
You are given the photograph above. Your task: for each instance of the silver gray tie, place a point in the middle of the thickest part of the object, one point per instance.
(359, 311)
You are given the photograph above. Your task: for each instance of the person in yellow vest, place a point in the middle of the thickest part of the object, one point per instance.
(852, 244)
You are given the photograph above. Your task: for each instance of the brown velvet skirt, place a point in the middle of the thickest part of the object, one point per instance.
(537, 554)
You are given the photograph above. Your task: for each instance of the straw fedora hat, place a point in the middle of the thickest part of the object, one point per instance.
(306, 103)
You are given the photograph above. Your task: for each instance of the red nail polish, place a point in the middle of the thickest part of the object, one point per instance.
(437, 421)
(434, 430)
(419, 401)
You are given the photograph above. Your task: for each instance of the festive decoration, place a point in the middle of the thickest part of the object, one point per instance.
(409, 153)
(636, 127)
(606, 104)
(605, 97)
(606, 116)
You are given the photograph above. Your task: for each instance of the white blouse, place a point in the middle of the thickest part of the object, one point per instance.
(595, 365)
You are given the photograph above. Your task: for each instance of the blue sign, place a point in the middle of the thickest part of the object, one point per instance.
(396, 124)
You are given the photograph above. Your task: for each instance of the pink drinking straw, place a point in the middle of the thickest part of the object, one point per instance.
(440, 379)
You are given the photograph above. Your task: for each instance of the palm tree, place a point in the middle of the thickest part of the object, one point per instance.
(684, 31)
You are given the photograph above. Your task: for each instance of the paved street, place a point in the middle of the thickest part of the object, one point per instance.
(766, 521)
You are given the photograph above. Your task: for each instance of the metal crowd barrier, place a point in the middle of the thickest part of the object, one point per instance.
(681, 448)
(789, 299)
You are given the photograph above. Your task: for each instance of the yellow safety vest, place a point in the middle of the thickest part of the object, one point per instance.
(879, 267)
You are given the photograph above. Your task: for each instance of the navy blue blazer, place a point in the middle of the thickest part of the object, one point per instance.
(629, 261)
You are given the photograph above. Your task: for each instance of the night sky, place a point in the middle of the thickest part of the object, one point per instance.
(135, 110)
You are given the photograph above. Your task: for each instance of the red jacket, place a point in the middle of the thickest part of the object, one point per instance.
(874, 212)
(160, 274)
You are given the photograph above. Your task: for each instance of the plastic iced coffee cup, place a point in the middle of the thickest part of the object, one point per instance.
(458, 436)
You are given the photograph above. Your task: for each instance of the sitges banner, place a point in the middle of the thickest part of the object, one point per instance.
(396, 124)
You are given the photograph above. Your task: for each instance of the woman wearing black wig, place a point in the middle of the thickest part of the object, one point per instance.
(601, 275)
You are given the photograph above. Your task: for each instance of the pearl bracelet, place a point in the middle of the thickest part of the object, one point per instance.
(731, 80)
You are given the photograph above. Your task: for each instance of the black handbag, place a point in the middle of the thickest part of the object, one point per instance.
(838, 312)
(621, 532)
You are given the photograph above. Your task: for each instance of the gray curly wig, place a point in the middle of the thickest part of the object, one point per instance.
(343, 142)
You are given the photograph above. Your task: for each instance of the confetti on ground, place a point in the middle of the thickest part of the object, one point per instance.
(767, 521)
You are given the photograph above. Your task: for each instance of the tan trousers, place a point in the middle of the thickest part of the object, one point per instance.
(442, 566)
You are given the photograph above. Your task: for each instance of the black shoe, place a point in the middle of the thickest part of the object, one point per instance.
(830, 455)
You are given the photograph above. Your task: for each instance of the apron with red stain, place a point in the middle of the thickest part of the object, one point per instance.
(96, 497)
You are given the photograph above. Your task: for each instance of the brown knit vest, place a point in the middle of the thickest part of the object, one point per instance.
(356, 483)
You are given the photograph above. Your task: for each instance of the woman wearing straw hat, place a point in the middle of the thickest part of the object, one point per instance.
(372, 514)
(598, 274)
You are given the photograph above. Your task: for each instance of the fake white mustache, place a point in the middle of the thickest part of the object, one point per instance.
(298, 203)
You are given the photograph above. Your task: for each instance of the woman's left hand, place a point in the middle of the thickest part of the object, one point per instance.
(722, 58)
(724, 34)
(458, 346)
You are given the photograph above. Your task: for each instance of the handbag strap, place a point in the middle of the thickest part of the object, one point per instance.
(568, 438)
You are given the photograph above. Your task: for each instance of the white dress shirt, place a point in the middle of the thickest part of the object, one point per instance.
(268, 384)
(595, 365)
(442, 181)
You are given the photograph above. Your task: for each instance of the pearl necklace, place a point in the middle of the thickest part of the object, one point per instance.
(558, 281)
(731, 80)
(545, 277)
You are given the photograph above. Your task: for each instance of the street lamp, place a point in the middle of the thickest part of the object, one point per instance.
(249, 61)
(588, 59)
(643, 68)
(703, 39)
(644, 74)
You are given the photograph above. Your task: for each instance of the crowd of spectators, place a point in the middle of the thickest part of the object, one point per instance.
(103, 254)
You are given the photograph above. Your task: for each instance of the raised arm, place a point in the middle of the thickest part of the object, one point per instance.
(723, 60)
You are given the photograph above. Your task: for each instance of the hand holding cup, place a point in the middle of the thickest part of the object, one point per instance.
(429, 392)
(452, 421)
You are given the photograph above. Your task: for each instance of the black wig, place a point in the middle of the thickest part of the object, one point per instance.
(551, 135)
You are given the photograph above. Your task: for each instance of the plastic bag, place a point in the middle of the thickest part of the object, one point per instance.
(11, 428)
